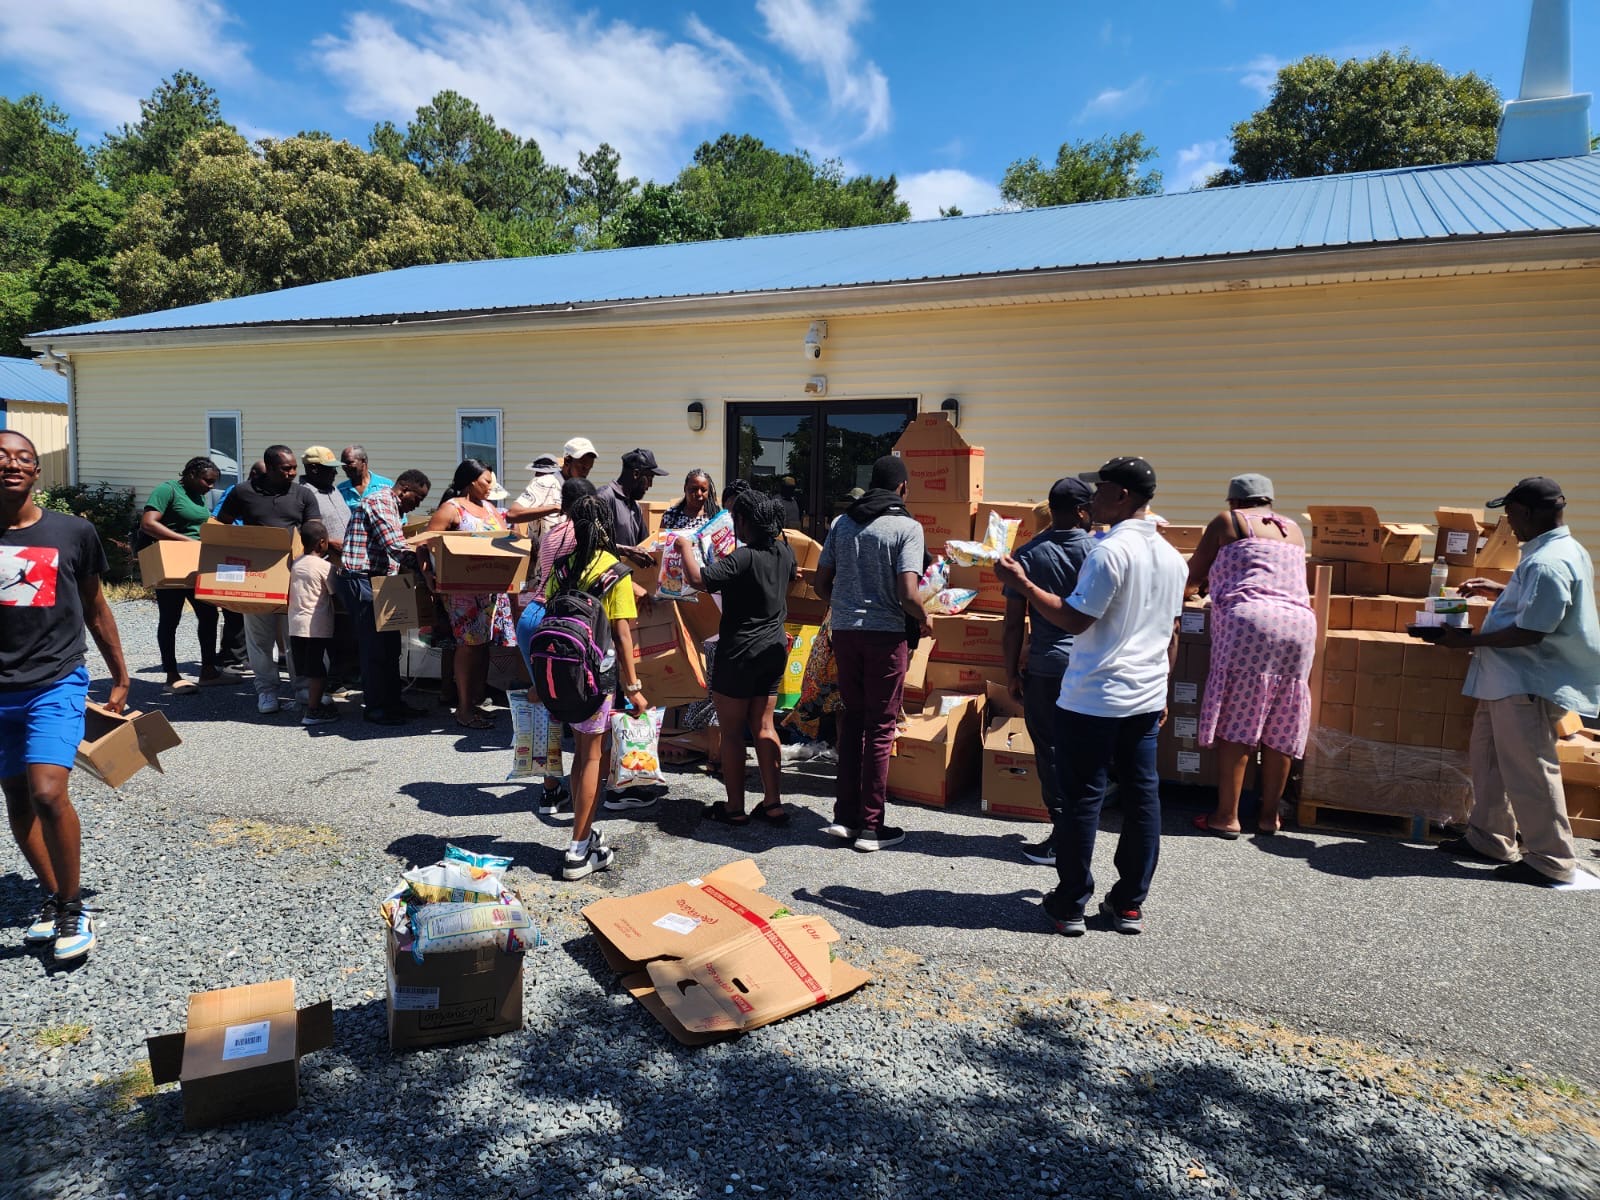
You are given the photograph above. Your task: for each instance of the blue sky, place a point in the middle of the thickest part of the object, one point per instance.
(942, 94)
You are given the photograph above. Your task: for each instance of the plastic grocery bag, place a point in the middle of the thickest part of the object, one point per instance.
(934, 580)
(635, 753)
(530, 739)
(949, 602)
(716, 537)
(997, 539)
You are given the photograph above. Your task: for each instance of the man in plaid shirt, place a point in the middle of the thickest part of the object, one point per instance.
(374, 544)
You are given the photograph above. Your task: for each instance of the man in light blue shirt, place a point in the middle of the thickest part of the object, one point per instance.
(360, 480)
(1537, 655)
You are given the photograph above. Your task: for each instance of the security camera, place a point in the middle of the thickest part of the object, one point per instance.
(811, 350)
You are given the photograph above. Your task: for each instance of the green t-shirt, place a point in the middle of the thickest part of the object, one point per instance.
(179, 511)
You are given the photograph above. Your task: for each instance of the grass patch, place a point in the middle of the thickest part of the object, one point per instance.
(53, 1037)
(269, 838)
(131, 1086)
(128, 589)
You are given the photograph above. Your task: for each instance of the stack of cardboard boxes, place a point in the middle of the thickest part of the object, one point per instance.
(1579, 753)
(1179, 756)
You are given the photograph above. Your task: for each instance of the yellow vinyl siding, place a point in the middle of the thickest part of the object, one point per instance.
(1404, 394)
(46, 425)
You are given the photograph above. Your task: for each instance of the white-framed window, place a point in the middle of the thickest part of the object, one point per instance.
(225, 445)
(478, 435)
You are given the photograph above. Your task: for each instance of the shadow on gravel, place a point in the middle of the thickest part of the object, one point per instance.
(1364, 858)
(1016, 912)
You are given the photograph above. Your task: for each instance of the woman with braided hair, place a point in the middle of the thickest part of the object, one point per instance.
(752, 648)
(579, 562)
(174, 513)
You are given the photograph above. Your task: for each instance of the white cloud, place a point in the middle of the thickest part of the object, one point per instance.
(929, 191)
(1116, 102)
(1197, 163)
(97, 60)
(1261, 73)
(817, 33)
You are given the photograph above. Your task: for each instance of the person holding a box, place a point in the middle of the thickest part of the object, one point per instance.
(1051, 559)
(273, 500)
(1123, 616)
(1537, 656)
(174, 513)
(868, 573)
(1263, 639)
(50, 569)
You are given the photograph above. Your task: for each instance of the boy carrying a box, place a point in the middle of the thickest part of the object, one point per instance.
(311, 620)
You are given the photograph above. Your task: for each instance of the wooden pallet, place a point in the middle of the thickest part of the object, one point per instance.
(1314, 814)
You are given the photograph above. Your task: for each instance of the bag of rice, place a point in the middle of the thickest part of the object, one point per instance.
(635, 751)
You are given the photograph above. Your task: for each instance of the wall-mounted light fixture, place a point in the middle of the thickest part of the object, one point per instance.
(953, 407)
(697, 416)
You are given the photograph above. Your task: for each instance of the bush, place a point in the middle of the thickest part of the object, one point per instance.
(109, 508)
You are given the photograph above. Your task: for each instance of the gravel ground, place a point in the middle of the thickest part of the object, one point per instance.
(985, 1059)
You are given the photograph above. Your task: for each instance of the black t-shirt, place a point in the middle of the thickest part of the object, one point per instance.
(41, 568)
(288, 510)
(755, 599)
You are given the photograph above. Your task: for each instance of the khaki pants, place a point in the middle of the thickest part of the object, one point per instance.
(1516, 785)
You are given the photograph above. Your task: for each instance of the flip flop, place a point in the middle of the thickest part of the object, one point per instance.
(179, 687)
(719, 813)
(1203, 824)
(772, 814)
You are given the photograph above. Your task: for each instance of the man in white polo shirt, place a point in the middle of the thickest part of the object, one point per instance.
(1123, 614)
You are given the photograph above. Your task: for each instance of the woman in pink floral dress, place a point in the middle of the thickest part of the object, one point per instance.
(1263, 638)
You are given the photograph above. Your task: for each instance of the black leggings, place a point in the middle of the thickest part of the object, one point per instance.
(169, 609)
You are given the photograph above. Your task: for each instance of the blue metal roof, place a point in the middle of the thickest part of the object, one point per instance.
(1416, 204)
(23, 379)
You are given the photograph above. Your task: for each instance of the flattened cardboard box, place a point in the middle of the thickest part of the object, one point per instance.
(938, 755)
(168, 564)
(476, 563)
(1354, 533)
(712, 957)
(117, 746)
(398, 602)
(239, 1054)
(244, 568)
(1010, 769)
(940, 466)
(451, 996)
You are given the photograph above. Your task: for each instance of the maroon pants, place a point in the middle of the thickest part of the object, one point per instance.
(872, 676)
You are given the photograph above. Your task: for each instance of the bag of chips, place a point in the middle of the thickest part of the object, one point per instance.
(635, 751)
(949, 602)
(452, 883)
(934, 580)
(530, 739)
(671, 582)
(716, 537)
(997, 539)
(484, 862)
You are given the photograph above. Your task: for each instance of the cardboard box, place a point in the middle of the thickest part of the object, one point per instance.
(1355, 534)
(1457, 733)
(1340, 612)
(1423, 660)
(1368, 579)
(1381, 614)
(938, 754)
(1031, 518)
(238, 1056)
(654, 511)
(1409, 579)
(1375, 723)
(961, 677)
(668, 665)
(944, 522)
(712, 958)
(117, 746)
(1010, 777)
(1377, 691)
(1459, 575)
(244, 568)
(1339, 687)
(1427, 695)
(805, 607)
(940, 466)
(1194, 623)
(1337, 717)
(168, 564)
(1381, 653)
(1338, 583)
(1340, 650)
(975, 640)
(1419, 728)
(916, 685)
(1182, 760)
(401, 602)
(1182, 538)
(476, 563)
(991, 597)
(1466, 540)
(451, 996)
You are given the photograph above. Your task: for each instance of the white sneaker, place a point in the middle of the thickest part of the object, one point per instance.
(597, 858)
(267, 705)
(74, 932)
(43, 929)
(843, 832)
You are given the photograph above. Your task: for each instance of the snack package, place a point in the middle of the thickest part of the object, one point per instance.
(468, 927)
(452, 883)
(949, 602)
(530, 739)
(671, 582)
(493, 863)
(997, 539)
(716, 537)
(934, 580)
(635, 754)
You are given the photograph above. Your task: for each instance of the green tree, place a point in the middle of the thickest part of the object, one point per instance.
(299, 210)
(600, 189)
(1105, 169)
(74, 284)
(1327, 118)
(658, 215)
(138, 157)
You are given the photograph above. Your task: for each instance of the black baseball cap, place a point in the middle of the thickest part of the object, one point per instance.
(1132, 473)
(641, 460)
(1536, 491)
(1069, 493)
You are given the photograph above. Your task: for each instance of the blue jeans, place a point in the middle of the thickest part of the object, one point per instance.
(1087, 748)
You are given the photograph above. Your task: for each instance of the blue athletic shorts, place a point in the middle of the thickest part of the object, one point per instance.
(43, 724)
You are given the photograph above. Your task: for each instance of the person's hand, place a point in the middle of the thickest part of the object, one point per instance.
(119, 697)
(1014, 686)
(644, 601)
(1478, 586)
(684, 542)
(638, 702)
(1009, 571)
(1162, 724)
(927, 626)
(637, 557)
(1455, 639)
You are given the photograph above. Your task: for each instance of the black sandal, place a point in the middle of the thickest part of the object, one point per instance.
(772, 814)
(719, 813)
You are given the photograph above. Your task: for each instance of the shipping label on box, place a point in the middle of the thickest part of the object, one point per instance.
(940, 465)
(1355, 534)
(169, 564)
(1194, 623)
(244, 568)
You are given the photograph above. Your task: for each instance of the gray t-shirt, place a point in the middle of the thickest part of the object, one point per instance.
(868, 561)
(335, 513)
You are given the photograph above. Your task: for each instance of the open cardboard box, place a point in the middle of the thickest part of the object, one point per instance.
(668, 664)
(117, 746)
(476, 563)
(169, 564)
(938, 753)
(244, 568)
(940, 466)
(1467, 540)
(1354, 533)
(239, 1054)
(1010, 769)
(451, 995)
(714, 956)
(806, 607)
(399, 602)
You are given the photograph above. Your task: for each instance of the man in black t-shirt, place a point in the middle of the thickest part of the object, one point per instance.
(271, 499)
(50, 568)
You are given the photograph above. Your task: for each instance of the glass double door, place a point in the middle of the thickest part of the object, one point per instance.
(814, 456)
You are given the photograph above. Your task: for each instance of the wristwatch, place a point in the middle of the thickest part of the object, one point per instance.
(632, 689)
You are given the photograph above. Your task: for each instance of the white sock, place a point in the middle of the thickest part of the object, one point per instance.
(577, 849)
